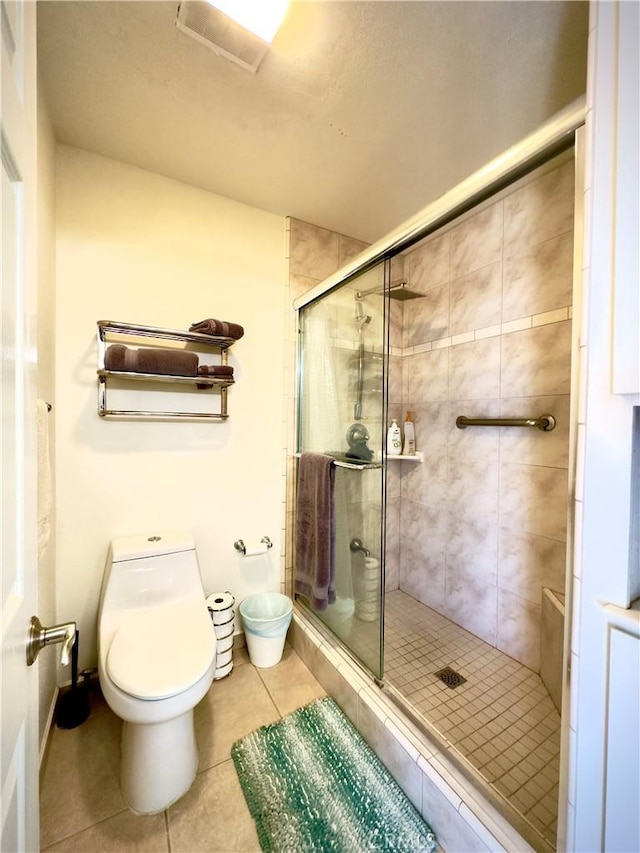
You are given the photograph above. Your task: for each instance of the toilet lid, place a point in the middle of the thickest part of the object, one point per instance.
(162, 651)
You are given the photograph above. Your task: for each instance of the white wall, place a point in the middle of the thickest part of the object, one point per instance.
(46, 386)
(605, 565)
(136, 247)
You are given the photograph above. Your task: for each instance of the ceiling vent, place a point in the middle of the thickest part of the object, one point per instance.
(221, 34)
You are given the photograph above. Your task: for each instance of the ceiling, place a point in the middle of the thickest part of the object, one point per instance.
(360, 114)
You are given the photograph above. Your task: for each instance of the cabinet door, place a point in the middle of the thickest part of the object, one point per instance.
(622, 822)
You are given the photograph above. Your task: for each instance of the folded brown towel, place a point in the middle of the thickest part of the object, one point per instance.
(218, 327)
(165, 362)
(219, 370)
(114, 357)
(120, 357)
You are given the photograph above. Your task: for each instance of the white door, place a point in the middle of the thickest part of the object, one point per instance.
(18, 698)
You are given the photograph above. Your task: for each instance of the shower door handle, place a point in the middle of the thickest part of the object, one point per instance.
(39, 637)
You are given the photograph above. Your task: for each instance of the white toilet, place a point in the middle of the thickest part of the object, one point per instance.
(156, 660)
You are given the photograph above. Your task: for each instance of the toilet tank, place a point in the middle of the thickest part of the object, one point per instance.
(151, 570)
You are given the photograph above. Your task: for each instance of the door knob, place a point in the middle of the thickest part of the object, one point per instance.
(39, 637)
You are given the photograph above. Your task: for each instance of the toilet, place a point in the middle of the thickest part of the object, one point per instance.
(156, 661)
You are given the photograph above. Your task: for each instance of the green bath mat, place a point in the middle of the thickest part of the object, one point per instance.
(313, 785)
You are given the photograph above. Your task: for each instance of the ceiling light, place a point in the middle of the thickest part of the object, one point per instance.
(260, 17)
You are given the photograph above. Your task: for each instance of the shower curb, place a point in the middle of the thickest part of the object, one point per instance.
(461, 817)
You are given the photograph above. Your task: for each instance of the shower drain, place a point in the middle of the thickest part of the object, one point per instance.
(450, 677)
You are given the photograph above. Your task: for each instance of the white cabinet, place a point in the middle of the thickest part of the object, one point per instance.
(622, 793)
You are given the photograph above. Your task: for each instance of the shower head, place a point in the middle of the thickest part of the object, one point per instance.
(398, 290)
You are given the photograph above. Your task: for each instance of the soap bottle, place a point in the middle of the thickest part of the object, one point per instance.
(409, 436)
(394, 439)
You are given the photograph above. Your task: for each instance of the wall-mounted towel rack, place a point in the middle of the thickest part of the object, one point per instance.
(358, 466)
(145, 336)
(344, 462)
(544, 422)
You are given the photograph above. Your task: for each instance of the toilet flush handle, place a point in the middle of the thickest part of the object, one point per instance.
(39, 637)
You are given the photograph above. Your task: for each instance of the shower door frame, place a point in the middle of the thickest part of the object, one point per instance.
(377, 673)
(552, 138)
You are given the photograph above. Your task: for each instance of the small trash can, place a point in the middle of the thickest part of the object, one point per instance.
(266, 618)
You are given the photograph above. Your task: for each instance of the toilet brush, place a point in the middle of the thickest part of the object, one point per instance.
(73, 707)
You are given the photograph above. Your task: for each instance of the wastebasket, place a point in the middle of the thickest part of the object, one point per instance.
(266, 618)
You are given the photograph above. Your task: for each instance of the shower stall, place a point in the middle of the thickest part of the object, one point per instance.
(343, 403)
(450, 564)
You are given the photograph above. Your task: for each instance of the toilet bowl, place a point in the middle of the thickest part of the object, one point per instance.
(156, 661)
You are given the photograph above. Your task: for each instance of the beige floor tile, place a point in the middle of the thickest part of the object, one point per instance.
(232, 708)
(508, 699)
(81, 781)
(80, 802)
(240, 655)
(122, 833)
(290, 684)
(213, 816)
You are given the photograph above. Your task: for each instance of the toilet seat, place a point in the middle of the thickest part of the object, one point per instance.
(159, 652)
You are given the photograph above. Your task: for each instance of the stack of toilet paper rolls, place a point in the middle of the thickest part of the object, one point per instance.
(220, 606)
(367, 590)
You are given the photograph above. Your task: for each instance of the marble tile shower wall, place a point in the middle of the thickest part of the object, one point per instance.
(314, 253)
(483, 522)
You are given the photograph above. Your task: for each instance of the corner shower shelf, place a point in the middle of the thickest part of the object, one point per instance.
(109, 328)
(418, 456)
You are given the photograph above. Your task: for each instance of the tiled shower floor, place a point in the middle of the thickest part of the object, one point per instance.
(502, 719)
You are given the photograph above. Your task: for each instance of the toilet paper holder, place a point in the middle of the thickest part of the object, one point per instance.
(241, 548)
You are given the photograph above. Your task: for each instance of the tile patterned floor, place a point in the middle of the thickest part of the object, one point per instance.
(502, 719)
(81, 808)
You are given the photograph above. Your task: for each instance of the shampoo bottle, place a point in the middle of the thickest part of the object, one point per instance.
(394, 439)
(409, 436)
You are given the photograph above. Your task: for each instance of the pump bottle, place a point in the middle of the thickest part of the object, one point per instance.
(394, 439)
(409, 436)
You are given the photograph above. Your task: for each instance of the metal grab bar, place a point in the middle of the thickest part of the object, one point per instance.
(544, 422)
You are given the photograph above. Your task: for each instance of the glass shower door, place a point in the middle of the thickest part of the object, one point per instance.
(342, 413)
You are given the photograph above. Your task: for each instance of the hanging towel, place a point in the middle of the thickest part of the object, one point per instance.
(315, 530)
(221, 328)
(45, 490)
